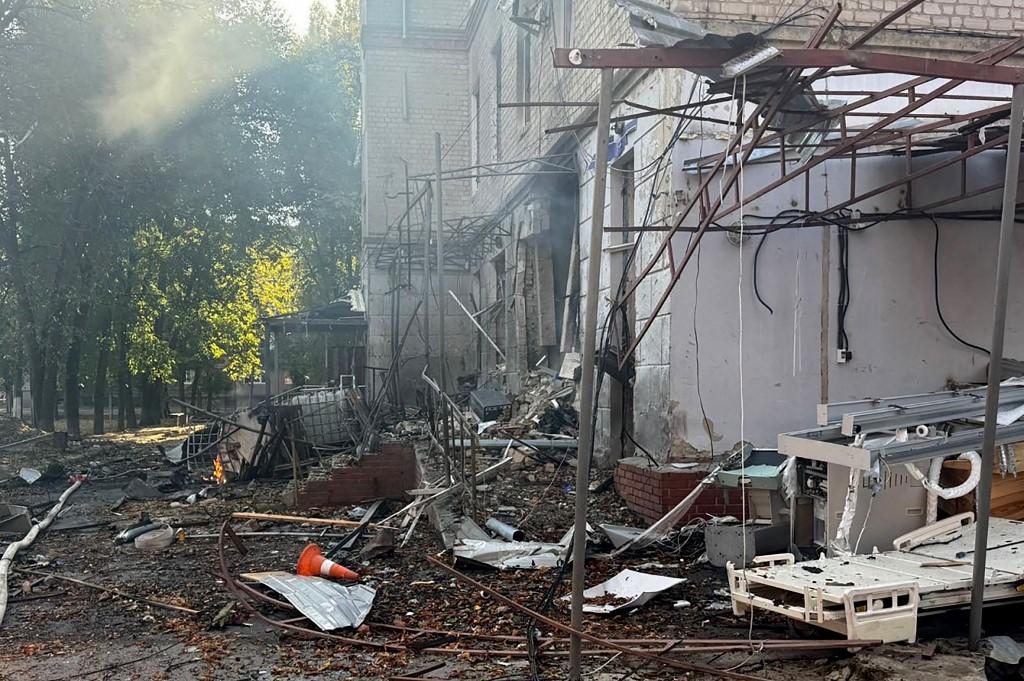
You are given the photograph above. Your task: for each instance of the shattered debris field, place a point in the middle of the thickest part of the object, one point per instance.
(167, 613)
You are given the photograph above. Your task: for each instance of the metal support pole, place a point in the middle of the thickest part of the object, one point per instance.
(579, 537)
(442, 378)
(277, 363)
(995, 365)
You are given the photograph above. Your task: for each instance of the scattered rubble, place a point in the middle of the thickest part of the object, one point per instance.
(390, 603)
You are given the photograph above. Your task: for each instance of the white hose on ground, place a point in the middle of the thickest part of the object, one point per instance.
(931, 484)
(8, 557)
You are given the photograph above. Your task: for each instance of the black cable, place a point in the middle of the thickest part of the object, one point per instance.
(757, 291)
(842, 339)
(938, 306)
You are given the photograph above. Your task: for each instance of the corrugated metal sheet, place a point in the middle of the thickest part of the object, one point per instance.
(327, 604)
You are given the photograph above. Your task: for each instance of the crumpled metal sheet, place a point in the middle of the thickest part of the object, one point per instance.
(327, 604)
(476, 545)
(507, 555)
(620, 535)
(636, 587)
(655, 26)
(1004, 649)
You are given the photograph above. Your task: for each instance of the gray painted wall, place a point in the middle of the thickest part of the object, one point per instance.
(898, 343)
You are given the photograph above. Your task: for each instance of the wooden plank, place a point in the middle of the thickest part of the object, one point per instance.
(332, 522)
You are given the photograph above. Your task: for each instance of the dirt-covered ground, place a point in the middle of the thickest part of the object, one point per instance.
(59, 630)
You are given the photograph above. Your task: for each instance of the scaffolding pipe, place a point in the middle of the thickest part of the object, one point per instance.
(446, 427)
(478, 327)
(579, 541)
(995, 365)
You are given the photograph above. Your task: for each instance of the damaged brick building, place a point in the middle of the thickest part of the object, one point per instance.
(826, 314)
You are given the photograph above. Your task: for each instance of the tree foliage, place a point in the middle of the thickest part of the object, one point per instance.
(172, 172)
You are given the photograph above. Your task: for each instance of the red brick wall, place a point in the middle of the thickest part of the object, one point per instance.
(653, 492)
(384, 474)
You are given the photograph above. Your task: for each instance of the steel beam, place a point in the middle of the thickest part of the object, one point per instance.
(962, 441)
(832, 413)
(983, 495)
(587, 359)
(993, 55)
(909, 415)
(799, 58)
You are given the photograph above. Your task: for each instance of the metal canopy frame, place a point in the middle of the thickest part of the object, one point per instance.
(791, 74)
(467, 241)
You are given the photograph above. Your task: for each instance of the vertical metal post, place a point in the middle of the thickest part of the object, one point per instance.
(408, 226)
(587, 398)
(442, 377)
(427, 215)
(995, 365)
(277, 363)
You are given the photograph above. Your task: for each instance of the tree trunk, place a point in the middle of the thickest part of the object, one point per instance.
(195, 386)
(209, 391)
(182, 374)
(152, 402)
(99, 388)
(131, 420)
(126, 397)
(46, 419)
(36, 376)
(8, 392)
(72, 367)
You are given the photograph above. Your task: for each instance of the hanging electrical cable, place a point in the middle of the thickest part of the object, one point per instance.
(843, 303)
(757, 290)
(938, 305)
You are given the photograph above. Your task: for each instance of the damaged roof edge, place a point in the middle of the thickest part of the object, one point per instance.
(656, 26)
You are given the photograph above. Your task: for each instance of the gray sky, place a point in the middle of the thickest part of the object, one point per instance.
(298, 12)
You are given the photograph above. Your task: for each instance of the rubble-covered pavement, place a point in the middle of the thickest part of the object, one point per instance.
(56, 629)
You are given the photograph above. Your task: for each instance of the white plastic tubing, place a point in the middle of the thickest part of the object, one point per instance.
(931, 482)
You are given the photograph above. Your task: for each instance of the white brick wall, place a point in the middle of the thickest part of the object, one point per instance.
(443, 75)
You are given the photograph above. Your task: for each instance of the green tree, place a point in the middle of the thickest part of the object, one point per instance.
(171, 173)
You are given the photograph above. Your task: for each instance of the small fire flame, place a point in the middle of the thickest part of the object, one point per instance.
(218, 472)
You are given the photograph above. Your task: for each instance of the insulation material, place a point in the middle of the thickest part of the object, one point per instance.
(790, 484)
(626, 590)
(841, 544)
(951, 492)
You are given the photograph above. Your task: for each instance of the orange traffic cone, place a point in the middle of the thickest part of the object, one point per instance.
(313, 564)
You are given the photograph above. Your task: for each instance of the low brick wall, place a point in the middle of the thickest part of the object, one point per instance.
(384, 474)
(651, 492)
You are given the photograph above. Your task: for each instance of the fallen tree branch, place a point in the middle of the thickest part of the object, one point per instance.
(8, 557)
(109, 590)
